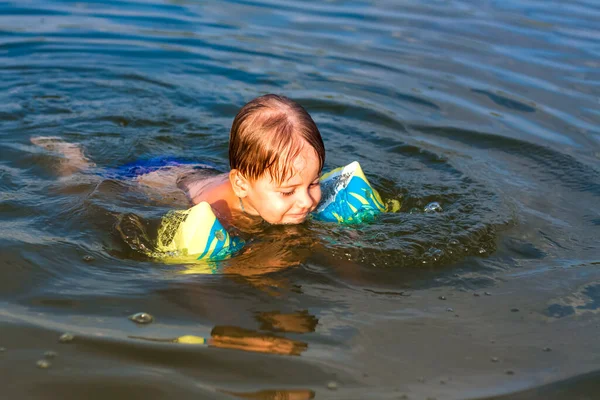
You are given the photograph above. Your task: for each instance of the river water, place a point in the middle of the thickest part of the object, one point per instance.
(489, 108)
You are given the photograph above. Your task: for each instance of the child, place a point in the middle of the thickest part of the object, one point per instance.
(276, 155)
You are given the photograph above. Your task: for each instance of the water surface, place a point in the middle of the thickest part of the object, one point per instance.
(488, 108)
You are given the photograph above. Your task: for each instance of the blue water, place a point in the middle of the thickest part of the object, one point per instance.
(488, 108)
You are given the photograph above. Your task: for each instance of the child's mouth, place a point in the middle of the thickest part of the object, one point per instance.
(298, 215)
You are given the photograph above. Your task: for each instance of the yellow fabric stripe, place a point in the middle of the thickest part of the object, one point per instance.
(331, 173)
(337, 216)
(377, 200)
(213, 244)
(360, 198)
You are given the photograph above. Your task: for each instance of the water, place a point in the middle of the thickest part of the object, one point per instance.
(489, 109)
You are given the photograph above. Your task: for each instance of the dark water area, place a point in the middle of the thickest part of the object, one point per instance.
(490, 109)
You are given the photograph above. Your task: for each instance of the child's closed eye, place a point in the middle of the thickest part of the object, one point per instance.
(291, 192)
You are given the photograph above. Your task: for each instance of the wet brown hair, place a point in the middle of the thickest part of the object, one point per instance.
(268, 133)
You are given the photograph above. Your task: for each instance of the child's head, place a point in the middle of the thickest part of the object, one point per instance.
(276, 155)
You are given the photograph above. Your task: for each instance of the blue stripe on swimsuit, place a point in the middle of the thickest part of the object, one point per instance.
(145, 166)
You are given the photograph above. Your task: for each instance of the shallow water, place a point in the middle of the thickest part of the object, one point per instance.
(488, 108)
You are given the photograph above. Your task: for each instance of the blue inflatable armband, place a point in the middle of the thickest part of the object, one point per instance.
(347, 196)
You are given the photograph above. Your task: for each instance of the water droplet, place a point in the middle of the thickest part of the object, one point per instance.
(141, 318)
(220, 235)
(66, 337)
(2, 349)
(50, 354)
(509, 372)
(450, 309)
(433, 253)
(332, 385)
(453, 242)
(421, 379)
(433, 207)
(442, 297)
(487, 293)
(43, 364)
(546, 349)
(481, 251)
(514, 310)
(494, 359)
(476, 294)
(88, 258)
(381, 237)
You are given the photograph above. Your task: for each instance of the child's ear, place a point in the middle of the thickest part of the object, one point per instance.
(239, 183)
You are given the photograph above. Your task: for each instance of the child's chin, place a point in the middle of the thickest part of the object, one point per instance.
(294, 219)
(289, 219)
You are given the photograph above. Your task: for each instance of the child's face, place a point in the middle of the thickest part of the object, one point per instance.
(291, 201)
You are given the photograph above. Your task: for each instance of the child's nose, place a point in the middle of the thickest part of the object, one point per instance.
(305, 200)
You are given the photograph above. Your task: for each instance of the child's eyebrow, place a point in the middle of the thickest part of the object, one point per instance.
(286, 185)
(289, 185)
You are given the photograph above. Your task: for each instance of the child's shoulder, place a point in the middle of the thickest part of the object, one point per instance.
(205, 188)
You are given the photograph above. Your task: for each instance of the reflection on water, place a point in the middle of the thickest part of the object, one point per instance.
(274, 394)
(299, 322)
(487, 109)
(232, 337)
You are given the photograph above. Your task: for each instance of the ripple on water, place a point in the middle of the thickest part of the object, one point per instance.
(489, 111)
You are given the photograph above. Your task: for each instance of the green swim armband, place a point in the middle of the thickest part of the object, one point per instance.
(195, 233)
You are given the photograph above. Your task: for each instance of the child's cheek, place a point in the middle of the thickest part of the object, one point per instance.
(277, 201)
(280, 206)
